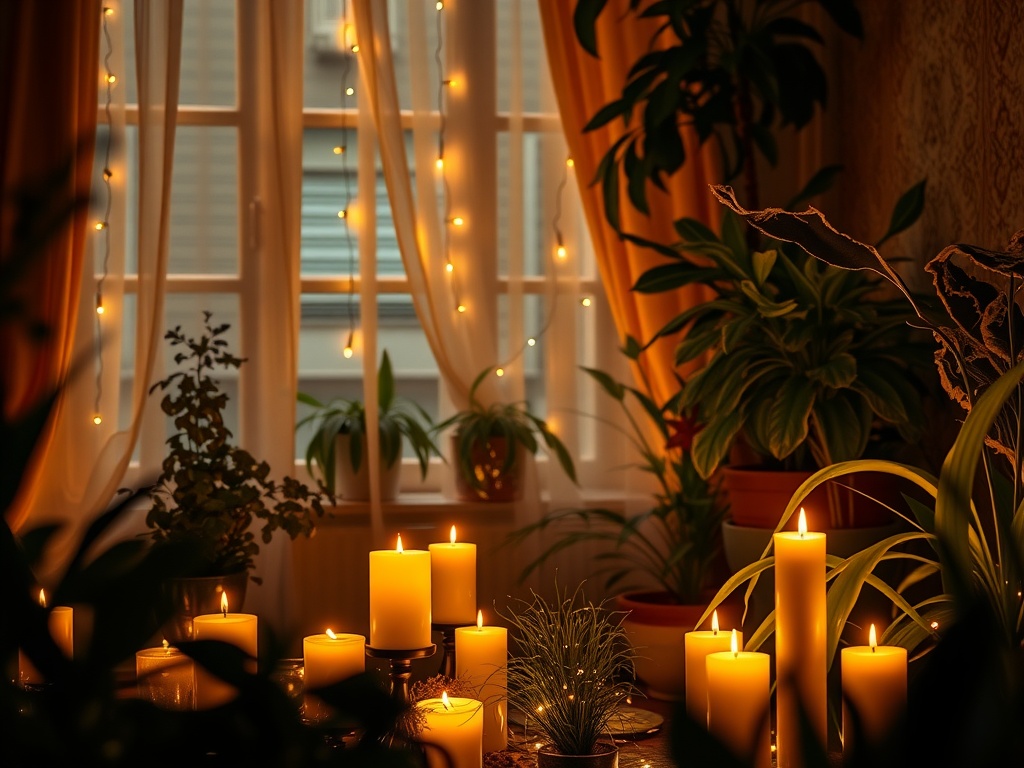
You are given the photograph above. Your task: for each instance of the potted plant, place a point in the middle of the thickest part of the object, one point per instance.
(662, 560)
(487, 445)
(210, 491)
(569, 672)
(338, 444)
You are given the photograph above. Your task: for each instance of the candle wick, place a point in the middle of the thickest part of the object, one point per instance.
(872, 649)
(225, 610)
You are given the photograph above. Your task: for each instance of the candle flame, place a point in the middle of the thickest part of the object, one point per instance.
(444, 700)
(801, 525)
(479, 619)
(872, 640)
(224, 603)
(399, 547)
(734, 644)
(453, 535)
(714, 621)
(167, 645)
(42, 597)
(330, 634)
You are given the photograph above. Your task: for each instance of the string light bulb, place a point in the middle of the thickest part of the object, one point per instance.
(499, 372)
(347, 351)
(339, 150)
(531, 342)
(439, 163)
(560, 252)
(108, 174)
(97, 419)
(439, 5)
(458, 221)
(449, 267)
(355, 49)
(569, 162)
(99, 226)
(100, 309)
(343, 213)
(349, 91)
(586, 302)
(461, 308)
(108, 11)
(111, 79)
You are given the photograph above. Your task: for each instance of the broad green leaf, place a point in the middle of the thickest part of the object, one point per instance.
(765, 306)
(788, 418)
(883, 398)
(712, 443)
(763, 261)
(694, 231)
(584, 20)
(820, 183)
(908, 210)
(610, 385)
(837, 372)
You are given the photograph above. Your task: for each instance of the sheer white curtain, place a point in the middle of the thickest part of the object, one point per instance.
(89, 461)
(492, 329)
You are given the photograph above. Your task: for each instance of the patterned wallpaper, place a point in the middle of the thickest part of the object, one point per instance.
(935, 90)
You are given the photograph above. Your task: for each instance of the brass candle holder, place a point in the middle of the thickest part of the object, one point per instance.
(401, 667)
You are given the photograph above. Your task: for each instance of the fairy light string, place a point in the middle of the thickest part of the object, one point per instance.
(449, 220)
(347, 91)
(102, 226)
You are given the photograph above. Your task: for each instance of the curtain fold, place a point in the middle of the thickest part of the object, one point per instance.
(48, 95)
(583, 85)
(87, 463)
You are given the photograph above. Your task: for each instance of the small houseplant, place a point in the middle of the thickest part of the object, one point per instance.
(569, 672)
(336, 449)
(211, 491)
(487, 443)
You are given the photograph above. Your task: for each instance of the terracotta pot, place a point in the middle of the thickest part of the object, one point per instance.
(200, 595)
(355, 486)
(496, 483)
(757, 498)
(656, 626)
(606, 755)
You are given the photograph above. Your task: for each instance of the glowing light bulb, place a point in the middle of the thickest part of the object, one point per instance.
(349, 91)
(99, 226)
(347, 353)
(108, 11)
(111, 79)
(97, 419)
(458, 221)
(99, 309)
(339, 150)
(449, 267)
(499, 372)
(439, 5)
(343, 214)
(531, 342)
(461, 308)
(439, 163)
(108, 174)
(586, 302)
(560, 251)
(355, 49)
(569, 163)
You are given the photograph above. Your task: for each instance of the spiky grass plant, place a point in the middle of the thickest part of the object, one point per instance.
(572, 668)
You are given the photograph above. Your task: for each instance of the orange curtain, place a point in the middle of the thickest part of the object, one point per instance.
(583, 85)
(48, 96)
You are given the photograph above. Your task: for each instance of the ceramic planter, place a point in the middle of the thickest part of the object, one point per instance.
(656, 626)
(496, 483)
(200, 595)
(606, 755)
(355, 486)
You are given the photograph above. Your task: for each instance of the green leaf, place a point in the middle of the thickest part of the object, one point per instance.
(385, 384)
(765, 306)
(632, 348)
(693, 231)
(610, 385)
(820, 183)
(762, 261)
(584, 21)
(883, 398)
(711, 445)
(907, 211)
(789, 415)
(837, 372)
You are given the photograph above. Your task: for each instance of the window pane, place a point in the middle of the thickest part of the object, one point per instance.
(533, 59)
(204, 201)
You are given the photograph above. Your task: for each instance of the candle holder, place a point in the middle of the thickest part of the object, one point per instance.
(401, 667)
(447, 647)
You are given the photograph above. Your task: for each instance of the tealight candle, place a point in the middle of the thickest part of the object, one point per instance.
(452, 581)
(800, 639)
(696, 646)
(61, 623)
(454, 726)
(875, 687)
(329, 658)
(481, 659)
(166, 677)
(238, 629)
(739, 696)
(399, 598)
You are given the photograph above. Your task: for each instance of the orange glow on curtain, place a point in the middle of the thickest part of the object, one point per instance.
(49, 98)
(582, 85)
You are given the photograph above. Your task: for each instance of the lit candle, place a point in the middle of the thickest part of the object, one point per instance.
(238, 629)
(327, 659)
(166, 677)
(481, 659)
(399, 598)
(875, 687)
(697, 645)
(739, 696)
(453, 581)
(61, 624)
(455, 727)
(800, 639)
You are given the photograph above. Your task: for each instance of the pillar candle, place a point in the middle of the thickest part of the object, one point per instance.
(166, 677)
(327, 659)
(61, 623)
(399, 599)
(239, 629)
(696, 646)
(481, 659)
(739, 697)
(454, 725)
(453, 582)
(800, 639)
(875, 687)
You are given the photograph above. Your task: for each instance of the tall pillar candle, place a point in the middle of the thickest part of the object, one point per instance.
(696, 646)
(166, 677)
(800, 639)
(399, 599)
(454, 728)
(326, 659)
(61, 624)
(238, 629)
(739, 698)
(452, 582)
(875, 687)
(481, 659)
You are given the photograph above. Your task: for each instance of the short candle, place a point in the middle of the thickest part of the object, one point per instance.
(452, 581)
(739, 695)
(875, 687)
(399, 598)
(329, 658)
(697, 645)
(455, 725)
(238, 629)
(481, 659)
(166, 677)
(61, 624)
